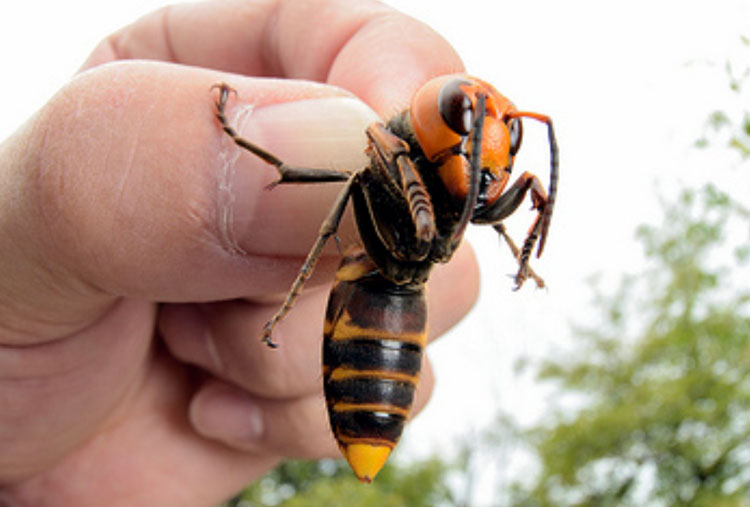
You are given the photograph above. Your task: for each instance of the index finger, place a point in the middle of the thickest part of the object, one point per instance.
(366, 47)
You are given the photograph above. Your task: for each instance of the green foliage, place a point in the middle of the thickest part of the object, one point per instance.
(735, 128)
(332, 484)
(661, 385)
(663, 381)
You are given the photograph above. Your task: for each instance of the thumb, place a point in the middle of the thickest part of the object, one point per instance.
(124, 185)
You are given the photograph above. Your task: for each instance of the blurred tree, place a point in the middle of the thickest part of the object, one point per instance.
(733, 129)
(654, 403)
(331, 483)
(661, 385)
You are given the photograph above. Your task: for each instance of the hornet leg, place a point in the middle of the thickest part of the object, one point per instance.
(287, 174)
(508, 203)
(328, 229)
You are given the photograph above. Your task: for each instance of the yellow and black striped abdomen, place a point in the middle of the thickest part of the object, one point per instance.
(374, 336)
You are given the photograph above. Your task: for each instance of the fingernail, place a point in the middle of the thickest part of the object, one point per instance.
(225, 413)
(315, 133)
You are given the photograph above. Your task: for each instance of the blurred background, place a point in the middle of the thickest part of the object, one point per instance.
(624, 382)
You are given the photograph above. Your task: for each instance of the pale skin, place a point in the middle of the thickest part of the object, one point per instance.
(142, 254)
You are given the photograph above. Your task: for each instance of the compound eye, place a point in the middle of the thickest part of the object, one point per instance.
(455, 107)
(516, 134)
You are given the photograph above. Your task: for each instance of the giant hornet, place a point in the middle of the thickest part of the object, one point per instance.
(436, 166)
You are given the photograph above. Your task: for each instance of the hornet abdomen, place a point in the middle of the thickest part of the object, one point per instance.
(374, 336)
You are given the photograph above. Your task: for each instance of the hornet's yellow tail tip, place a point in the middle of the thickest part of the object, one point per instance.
(366, 460)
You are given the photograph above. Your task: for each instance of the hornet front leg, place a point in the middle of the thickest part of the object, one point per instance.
(506, 205)
(544, 203)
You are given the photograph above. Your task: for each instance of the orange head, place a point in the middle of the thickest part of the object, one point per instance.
(442, 114)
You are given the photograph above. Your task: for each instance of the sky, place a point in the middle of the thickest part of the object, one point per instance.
(629, 86)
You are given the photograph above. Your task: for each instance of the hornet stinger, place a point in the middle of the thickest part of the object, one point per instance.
(441, 163)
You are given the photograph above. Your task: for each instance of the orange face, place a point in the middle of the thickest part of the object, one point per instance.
(442, 114)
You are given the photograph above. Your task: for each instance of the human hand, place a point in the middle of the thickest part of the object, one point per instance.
(128, 216)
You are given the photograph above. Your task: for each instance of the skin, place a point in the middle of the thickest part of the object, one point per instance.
(142, 254)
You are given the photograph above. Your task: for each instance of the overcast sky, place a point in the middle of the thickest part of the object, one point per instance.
(628, 84)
